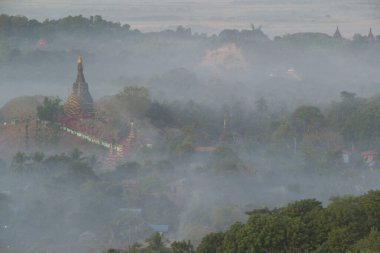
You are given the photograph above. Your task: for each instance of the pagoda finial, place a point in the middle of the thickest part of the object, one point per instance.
(80, 76)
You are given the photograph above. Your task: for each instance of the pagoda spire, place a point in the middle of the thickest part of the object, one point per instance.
(80, 98)
(337, 34)
(80, 76)
(371, 38)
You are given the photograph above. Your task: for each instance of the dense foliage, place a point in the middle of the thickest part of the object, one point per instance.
(156, 243)
(20, 25)
(347, 224)
(50, 110)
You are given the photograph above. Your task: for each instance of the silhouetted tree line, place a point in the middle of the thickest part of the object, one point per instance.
(157, 243)
(22, 26)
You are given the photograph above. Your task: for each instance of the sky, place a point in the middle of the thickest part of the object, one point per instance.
(277, 17)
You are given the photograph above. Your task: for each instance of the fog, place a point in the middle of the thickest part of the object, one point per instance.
(234, 94)
(255, 66)
(53, 206)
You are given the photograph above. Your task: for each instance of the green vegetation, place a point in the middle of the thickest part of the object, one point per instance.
(156, 243)
(131, 103)
(345, 225)
(50, 110)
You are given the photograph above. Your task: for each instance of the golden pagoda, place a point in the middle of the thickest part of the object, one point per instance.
(79, 102)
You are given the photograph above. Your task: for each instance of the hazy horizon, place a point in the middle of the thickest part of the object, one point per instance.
(277, 17)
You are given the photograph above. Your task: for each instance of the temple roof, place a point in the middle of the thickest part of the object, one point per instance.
(72, 107)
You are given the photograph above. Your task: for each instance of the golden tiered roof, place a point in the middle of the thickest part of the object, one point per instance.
(72, 107)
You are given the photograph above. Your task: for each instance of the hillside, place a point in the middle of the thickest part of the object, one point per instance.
(43, 138)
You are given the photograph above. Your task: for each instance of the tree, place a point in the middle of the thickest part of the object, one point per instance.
(157, 243)
(183, 32)
(160, 115)
(283, 135)
(76, 154)
(211, 243)
(233, 240)
(307, 120)
(38, 157)
(50, 110)
(347, 221)
(18, 162)
(225, 158)
(339, 115)
(339, 240)
(261, 106)
(347, 97)
(305, 230)
(369, 244)
(361, 124)
(132, 102)
(370, 204)
(182, 247)
(129, 227)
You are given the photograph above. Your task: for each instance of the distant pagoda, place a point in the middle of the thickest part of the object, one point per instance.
(79, 104)
(371, 37)
(337, 34)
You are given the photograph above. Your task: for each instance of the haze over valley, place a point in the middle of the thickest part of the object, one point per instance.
(193, 126)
